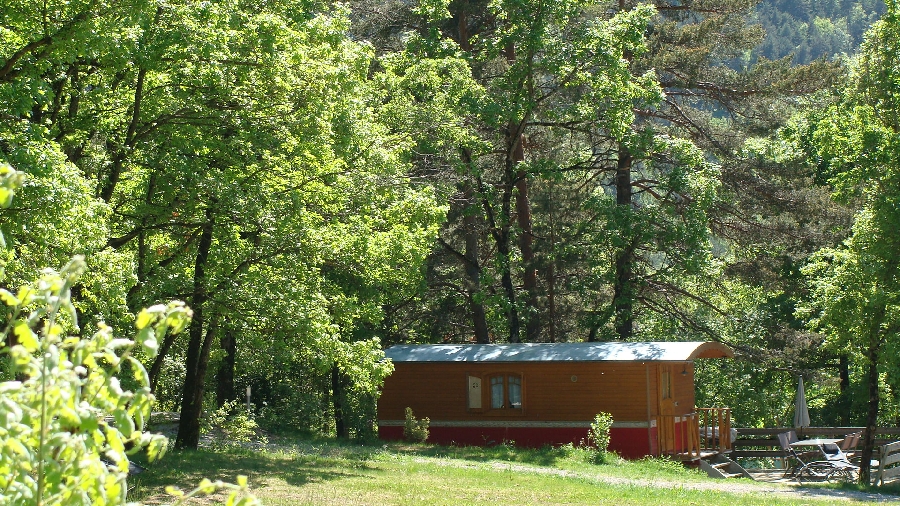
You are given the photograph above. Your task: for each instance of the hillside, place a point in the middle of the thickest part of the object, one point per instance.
(811, 29)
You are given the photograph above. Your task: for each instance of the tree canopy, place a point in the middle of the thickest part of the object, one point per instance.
(854, 286)
(317, 181)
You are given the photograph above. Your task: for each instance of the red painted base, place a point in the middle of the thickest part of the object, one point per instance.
(629, 442)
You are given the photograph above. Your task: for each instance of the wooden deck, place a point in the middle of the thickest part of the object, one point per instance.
(771, 476)
(692, 457)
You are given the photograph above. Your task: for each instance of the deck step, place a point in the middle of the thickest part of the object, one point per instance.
(720, 466)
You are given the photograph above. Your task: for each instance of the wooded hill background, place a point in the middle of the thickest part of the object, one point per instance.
(809, 29)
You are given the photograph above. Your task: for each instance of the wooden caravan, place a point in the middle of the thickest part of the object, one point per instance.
(548, 393)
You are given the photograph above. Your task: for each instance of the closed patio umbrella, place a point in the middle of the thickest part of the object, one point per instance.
(801, 413)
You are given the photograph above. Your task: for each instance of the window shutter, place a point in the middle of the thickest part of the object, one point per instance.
(474, 392)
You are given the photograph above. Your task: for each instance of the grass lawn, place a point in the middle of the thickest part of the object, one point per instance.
(329, 473)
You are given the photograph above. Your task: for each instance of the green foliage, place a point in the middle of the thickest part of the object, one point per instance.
(147, 126)
(236, 492)
(68, 421)
(260, 162)
(413, 429)
(555, 77)
(286, 405)
(855, 287)
(808, 30)
(57, 215)
(598, 435)
(231, 425)
(10, 180)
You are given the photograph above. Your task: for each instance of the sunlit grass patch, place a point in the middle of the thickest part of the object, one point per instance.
(321, 472)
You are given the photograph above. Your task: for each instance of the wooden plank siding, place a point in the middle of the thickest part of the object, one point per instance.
(683, 378)
(628, 391)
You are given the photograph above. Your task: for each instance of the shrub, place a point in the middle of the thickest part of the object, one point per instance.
(415, 430)
(231, 425)
(68, 421)
(598, 435)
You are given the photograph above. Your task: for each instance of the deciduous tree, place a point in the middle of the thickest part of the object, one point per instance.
(855, 299)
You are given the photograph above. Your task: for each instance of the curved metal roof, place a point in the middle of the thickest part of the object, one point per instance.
(574, 352)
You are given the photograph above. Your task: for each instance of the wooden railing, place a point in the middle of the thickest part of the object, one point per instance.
(689, 436)
(678, 435)
(715, 429)
(763, 443)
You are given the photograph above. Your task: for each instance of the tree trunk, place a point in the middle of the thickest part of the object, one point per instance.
(192, 400)
(107, 187)
(473, 272)
(623, 289)
(473, 267)
(552, 316)
(470, 225)
(156, 367)
(865, 471)
(526, 247)
(503, 250)
(549, 265)
(195, 366)
(225, 376)
(337, 394)
(121, 152)
(844, 384)
(501, 226)
(500, 231)
(844, 373)
(515, 155)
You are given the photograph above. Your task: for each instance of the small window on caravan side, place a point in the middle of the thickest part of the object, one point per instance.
(506, 392)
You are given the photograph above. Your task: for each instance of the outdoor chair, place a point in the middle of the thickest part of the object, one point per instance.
(833, 453)
(835, 467)
(848, 446)
(849, 443)
(790, 454)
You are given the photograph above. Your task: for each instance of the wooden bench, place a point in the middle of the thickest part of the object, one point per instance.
(888, 463)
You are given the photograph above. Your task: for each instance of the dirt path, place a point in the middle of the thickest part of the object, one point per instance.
(733, 486)
(785, 489)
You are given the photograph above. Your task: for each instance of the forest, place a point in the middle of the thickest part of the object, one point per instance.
(318, 181)
(807, 29)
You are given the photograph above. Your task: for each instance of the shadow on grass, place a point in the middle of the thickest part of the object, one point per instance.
(302, 460)
(546, 456)
(376, 449)
(892, 489)
(185, 469)
(889, 488)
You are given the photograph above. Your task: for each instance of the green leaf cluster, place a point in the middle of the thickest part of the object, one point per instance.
(69, 425)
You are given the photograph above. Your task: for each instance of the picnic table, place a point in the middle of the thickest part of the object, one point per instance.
(816, 442)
